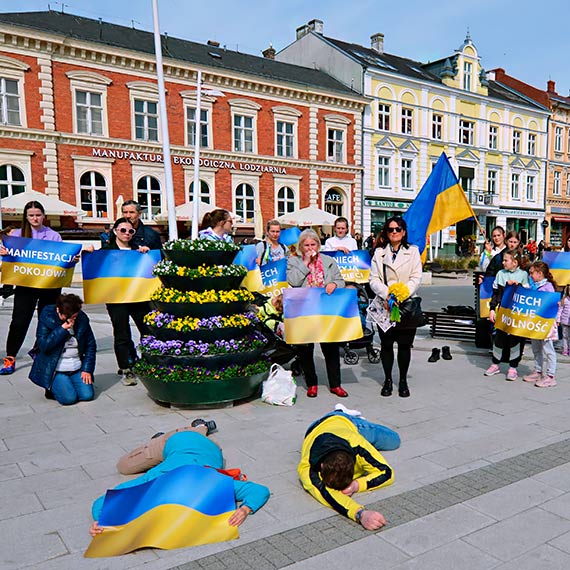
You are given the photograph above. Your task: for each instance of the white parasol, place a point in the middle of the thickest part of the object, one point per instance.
(311, 216)
(14, 205)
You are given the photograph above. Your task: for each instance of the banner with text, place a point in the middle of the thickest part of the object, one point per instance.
(354, 266)
(527, 313)
(38, 263)
(274, 277)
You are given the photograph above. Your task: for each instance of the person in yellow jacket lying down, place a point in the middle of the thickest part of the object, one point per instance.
(340, 457)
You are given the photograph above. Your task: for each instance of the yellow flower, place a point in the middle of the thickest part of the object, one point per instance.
(400, 291)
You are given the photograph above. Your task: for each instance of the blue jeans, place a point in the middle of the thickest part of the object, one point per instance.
(69, 388)
(381, 437)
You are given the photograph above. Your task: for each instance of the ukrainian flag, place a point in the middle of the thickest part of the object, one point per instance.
(290, 236)
(116, 276)
(440, 203)
(247, 256)
(354, 266)
(485, 294)
(187, 506)
(274, 277)
(310, 315)
(559, 264)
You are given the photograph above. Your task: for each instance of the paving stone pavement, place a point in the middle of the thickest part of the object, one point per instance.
(482, 476)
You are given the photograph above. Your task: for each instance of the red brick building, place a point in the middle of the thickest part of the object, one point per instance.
(79, 119)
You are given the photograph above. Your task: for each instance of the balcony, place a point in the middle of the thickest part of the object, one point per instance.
(481, 199)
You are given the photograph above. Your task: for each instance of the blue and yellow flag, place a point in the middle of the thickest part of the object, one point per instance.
(187, 506)
(440, 203)
(290, 236)
(247, 257)
(38, 263)
(274, 277)
(115, 276)
(485, 294)
(310, 315)
(527, 313)
(559, 264)
(354, 266)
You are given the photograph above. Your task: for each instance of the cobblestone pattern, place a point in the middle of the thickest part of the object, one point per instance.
(286, 548)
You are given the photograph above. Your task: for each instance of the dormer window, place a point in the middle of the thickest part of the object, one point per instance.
(467, 75)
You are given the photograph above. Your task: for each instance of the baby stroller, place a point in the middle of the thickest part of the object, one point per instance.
(366, 340)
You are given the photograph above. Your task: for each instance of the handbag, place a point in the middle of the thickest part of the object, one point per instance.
(280, 388)
(411, 314)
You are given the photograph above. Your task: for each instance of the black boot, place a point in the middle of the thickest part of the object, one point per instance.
(434, 355)
(446, 353)
(403, 390)
(387, 388)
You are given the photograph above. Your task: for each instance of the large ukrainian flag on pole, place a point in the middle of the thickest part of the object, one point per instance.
(440, 203)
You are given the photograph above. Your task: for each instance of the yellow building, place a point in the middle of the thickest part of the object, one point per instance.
(494, 137)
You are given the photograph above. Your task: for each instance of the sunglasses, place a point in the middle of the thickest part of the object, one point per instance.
(127, 231)
(395, 230)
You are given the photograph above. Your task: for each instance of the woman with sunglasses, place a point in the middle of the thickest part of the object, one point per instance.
(125, 351)
(396, 262)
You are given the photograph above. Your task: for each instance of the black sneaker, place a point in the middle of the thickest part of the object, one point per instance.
(211, 426)
(49, 395)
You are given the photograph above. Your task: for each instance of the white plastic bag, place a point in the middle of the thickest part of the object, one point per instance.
(280, 388)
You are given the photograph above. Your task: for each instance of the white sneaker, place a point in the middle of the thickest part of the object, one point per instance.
(129, 378)
(347, 411)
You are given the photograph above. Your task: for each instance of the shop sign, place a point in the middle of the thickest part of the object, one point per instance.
(386, 204)
(516, 213)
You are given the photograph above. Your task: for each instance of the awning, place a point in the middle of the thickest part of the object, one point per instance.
(563, 219)
(14, 205)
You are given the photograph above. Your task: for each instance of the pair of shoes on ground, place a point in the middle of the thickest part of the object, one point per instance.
(312, 392)
(128, 377)
(9, 366)
(511, 375)
(403, 389)
(540, 380)
(445, 354)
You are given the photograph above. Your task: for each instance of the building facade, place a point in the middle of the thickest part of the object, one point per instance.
(494, 137)
(79, 120)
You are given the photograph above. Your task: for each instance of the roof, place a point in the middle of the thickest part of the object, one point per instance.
(100, 32)
(416, 70)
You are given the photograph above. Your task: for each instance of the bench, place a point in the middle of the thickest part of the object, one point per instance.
(443, 325)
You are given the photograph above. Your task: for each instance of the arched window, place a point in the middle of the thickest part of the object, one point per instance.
(12, 181)
(93, 189)
(245, 202)
(285, 200)
(149, 196)
(204, 192)
(334, 202)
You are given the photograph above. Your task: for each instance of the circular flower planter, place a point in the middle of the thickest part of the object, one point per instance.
(211, 362)
(206, 335)
(203, 393)
(195, 259)
(201, 284)
(201, 310)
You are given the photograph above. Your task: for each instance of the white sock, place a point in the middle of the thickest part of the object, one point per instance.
(343, 408)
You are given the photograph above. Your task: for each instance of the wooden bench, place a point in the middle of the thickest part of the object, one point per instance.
(443, 325)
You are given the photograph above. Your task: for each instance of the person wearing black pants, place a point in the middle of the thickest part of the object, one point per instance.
(331, 354)
(396, 262)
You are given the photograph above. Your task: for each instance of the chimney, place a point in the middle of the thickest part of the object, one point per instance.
(269, 53)
(377, 42)
(302, 31)
(213, 43)
(551, 86)
(316, 26)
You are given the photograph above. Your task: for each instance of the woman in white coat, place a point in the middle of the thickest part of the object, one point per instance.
(396, 262)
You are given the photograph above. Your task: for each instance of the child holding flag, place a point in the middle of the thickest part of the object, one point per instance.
(506, 347)
(544, 354)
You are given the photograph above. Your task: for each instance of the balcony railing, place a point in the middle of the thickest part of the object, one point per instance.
(483, 199)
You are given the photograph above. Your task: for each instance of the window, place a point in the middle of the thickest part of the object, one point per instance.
(89, 112)
(334, 202)
(493, 137)
(243, 133)
(492, 182)
(245, 202)
(568, 185)
(191, 126)
(285, 200)
(515, 186)
(437, 127)
(467, 75)
(335, 145)
(558, 139)
(93, 191)
(517, 135)
(407, 115)
(285, 139)
(149, 196)
(383, 171)
(568, 143)
(556, 183)
(466, 131)
(9, 102)
(146, 120)
(12, 181)
(204, 192)
(406, 174)
(384, 117)
(531, 144)
(530, 188)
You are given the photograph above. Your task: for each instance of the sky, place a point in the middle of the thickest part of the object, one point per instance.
(521, 36)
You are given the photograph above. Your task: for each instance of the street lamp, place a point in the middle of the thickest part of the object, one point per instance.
(197, 137)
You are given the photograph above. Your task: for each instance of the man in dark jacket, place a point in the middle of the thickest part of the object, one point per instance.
(143, 234)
